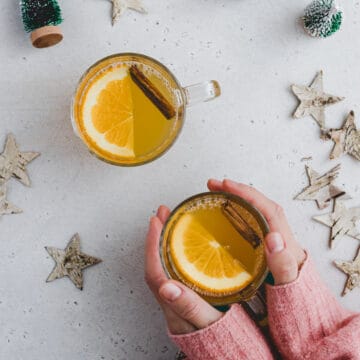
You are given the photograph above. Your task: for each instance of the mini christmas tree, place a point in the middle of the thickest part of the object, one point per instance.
(322, 18)
(41, 18)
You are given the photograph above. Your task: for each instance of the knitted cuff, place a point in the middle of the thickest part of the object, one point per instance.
(234, 336)
(302, 312)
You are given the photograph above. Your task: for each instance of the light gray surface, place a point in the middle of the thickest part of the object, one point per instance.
(255, 49)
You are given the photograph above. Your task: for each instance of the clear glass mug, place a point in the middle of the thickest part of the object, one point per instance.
(252, 295)
(180, 97)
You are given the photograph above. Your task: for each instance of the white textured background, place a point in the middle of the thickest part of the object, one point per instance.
(255, 49)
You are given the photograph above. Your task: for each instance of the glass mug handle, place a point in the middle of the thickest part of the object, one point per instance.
(256, 307)
(201, 92)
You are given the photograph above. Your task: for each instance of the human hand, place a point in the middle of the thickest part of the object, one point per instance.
(284, 255)
(184, 310)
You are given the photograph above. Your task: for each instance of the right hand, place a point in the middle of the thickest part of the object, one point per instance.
(284, 255)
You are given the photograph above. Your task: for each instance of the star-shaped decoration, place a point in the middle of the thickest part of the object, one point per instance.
(313, 100)
(13, 162)
(342, 221)
(352, 269)
(6, 208)
(120, 6)
(321, 188)
(346, 139)
(70, 262)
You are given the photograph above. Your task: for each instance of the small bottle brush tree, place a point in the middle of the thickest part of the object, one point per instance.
(322, 18)
(41, 18)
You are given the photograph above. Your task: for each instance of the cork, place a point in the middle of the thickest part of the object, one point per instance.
(46, 36)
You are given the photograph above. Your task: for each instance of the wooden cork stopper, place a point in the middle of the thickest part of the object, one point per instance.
(46, 36)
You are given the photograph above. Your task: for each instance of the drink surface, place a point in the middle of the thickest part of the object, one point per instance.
(208, 252)
(117, 119)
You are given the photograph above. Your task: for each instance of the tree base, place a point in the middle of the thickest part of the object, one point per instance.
(46, 36)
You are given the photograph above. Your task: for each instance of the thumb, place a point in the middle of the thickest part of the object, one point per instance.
(188, 305)
(281, 262)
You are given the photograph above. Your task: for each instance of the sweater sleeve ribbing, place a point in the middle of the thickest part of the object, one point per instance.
(307, 322)
(234, 337)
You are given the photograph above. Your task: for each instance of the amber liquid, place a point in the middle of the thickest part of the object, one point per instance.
(216, 223)
(153, 132)
(151, 128)
(210, 215)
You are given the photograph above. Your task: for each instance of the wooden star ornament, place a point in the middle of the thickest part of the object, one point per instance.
(13, 162)
(70, 262)
(321, 188)
(352, 269)
(6, 208)
(346, 139)
(313, 100)
(342, 221)
(120, 6)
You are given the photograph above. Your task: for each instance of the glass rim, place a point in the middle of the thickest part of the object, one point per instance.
(253, 210)
(181, 119)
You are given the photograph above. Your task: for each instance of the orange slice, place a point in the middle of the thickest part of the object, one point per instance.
(108, 116)
(203, 261)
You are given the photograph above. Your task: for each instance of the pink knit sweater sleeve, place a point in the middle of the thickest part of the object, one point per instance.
(307, 322)
(234, 336)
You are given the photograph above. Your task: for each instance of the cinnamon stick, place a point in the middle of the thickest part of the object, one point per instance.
(241, 225)
(153, 94)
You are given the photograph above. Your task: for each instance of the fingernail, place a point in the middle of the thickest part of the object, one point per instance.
(170, 291)
(229, 182)
(215, 181)
(275, 243)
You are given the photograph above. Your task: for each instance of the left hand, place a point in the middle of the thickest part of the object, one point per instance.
(184, 310)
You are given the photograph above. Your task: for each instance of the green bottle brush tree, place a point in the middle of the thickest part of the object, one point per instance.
(322, 18)
(41, 18)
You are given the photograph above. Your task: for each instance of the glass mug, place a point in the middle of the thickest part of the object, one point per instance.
(231, 220)
(129, 108)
